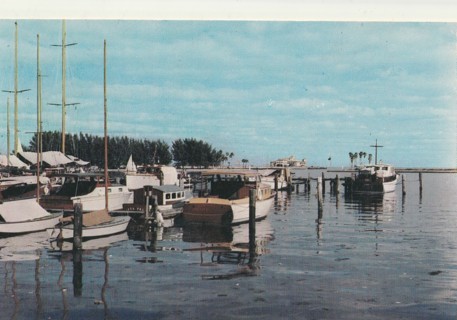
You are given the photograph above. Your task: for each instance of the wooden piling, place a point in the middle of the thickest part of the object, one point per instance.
(337, 184)
(78, 226)
(297, 186)
(319, 196)
(309, 183)
(403, 185)
(420, 182)
(276, 182)
(252, 199)
(323, 183)
(77, 273)
(147, 195)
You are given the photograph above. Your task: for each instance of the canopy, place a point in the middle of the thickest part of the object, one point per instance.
(14, 161)
(22, 210)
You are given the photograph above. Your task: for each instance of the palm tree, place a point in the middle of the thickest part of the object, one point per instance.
(244, 161)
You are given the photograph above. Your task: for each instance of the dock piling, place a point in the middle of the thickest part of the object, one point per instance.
(78, 226)
(403, 185)
(319, 196)
(252, 198)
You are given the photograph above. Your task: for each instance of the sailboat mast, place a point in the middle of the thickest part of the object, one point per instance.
(8, 131)
(38, 117)
(16, 138)
(105, 124)
(64, 112)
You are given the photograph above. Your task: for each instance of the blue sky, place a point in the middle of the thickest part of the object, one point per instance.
(262, 90)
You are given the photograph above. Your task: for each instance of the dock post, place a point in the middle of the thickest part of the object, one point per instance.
(337, 185)
(252, 198)
(77, 226)
(297, 185)
(309, 183)
(323, 183)
(147, 195)
(276, 182)
(319, 196)
(420, 183)
(403, 185)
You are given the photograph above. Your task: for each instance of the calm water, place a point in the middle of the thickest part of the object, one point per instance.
(371, 258)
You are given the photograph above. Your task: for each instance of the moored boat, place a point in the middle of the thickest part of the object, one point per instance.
(377, 178)
(95, 224)
(170, 200)
(25, 215)
(227, 201)
(89, 190)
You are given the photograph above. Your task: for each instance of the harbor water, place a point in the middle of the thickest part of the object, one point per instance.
(386, 257)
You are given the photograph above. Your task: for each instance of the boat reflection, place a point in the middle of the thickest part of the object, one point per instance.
(375, 208)
(24, 247)
(230, 245)
(89, 244)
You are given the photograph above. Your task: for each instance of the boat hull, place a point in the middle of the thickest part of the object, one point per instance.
(117, 225)
(38, 224)
(222, 211)
(375, 186)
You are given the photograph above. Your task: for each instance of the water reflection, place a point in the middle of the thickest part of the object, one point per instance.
(23, 247)
(230, 245)
(376, 207)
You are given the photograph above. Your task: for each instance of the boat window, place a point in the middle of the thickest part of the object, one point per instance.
(167, 196)
(120, 190)
(384, 168)
(109, 190)
(173, 195)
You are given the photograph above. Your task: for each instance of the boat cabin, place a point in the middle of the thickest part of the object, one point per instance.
(235, 185)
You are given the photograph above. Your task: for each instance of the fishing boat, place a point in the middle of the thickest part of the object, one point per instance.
(170, 200)
(377, 178)
(89, 190)
(25, 215)
(227, 198)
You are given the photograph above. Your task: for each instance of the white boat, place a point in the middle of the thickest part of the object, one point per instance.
(377, 178)
(281, 175)
(170, 200)
(228, 199)
(89, 190)
(25, 215)
(149, 176)
(95, 224)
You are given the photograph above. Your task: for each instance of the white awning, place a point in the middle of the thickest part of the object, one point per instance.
(22, 210)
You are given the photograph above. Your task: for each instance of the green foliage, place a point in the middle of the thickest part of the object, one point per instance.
(187, 152)
(91, 148)
(197, 153)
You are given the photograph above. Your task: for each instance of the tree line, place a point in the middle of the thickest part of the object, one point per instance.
(184, 152)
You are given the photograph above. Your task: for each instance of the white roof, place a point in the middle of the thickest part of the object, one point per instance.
(53, 158)
(77, 160)
(14, 161)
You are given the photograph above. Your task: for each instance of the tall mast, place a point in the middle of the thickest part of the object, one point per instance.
(376, 146)
(8, 151)
(16, 138)
(15, 91)
(38, 118)
(105, 124)
(64, 103)
(64, 111)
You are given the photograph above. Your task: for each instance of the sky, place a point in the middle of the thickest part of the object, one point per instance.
(260, 89)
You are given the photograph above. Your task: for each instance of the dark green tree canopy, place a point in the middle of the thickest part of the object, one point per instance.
(187, 152)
